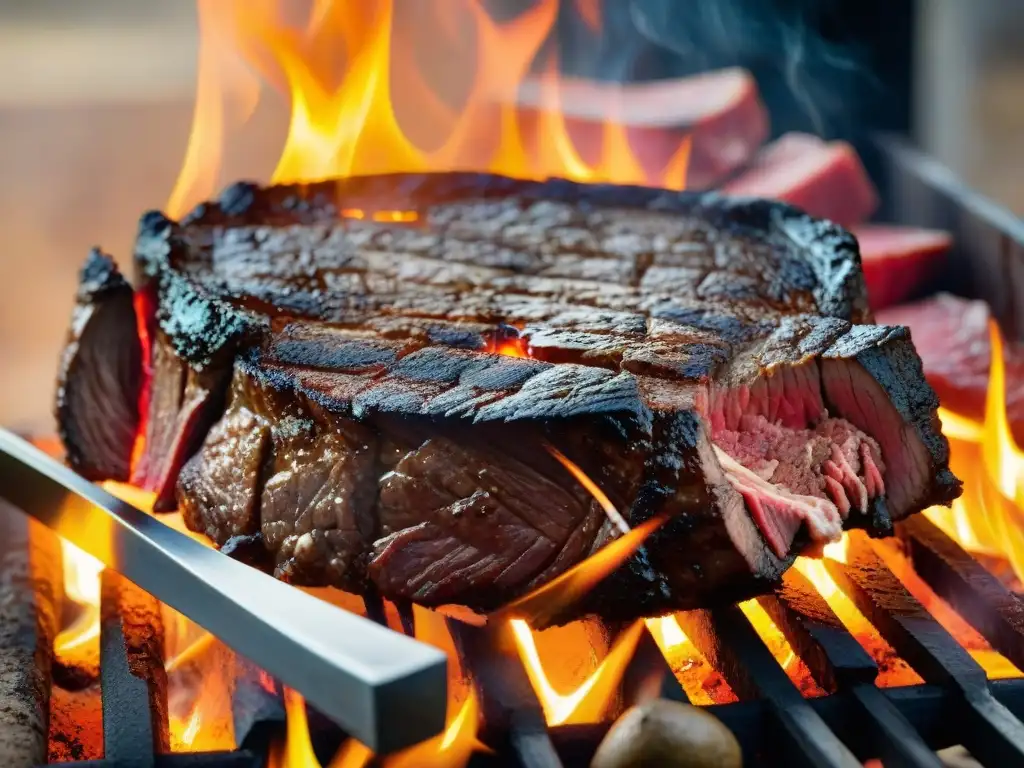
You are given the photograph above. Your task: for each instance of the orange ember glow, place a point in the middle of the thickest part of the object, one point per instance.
(143, 311)
(371, 91)
(510, 348)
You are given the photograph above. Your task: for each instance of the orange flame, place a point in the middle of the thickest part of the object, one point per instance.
(893, 670)
(82, 587)
(589, 702)
(510, 348)
(583, 577)
(989, 517)
(544, 602)
(372, 91)
(199, 693)
(451, 748)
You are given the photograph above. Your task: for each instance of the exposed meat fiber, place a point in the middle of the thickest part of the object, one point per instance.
(329, 388)
(794, 477)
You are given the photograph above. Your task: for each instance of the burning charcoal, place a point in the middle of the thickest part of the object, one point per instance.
(257, 704)
(511, 711)
(671, 734)
(649, 676)
(132, 668)
(703, 363)
(31, 596)
(100, 374)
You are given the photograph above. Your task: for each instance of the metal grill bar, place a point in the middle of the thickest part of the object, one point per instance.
(838, 662)
(977, 595)
(509, 704)
(135, 723)
(992, 733)
(730, 644)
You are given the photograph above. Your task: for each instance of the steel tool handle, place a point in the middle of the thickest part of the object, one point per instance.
(387, 690)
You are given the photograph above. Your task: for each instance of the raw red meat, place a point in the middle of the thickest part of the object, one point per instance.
(899, 261)
(826, 179)
(721, 110)
(951, 335)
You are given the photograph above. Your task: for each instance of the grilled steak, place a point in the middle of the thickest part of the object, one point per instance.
(369, 375)
(825, 179)
(100, 374)
(900, 262)
(952, 334)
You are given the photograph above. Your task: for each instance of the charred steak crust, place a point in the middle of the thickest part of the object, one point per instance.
(97, 403)
(370, 437)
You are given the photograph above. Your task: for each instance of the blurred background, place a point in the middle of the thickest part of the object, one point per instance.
(96, 101)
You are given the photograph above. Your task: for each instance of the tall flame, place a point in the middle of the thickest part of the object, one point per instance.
(371, 91)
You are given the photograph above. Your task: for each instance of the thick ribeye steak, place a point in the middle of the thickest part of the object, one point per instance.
(326, 379)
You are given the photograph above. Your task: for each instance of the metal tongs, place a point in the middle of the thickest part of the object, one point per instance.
(387, 690)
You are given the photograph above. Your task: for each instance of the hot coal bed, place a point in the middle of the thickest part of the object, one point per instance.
(773, 721)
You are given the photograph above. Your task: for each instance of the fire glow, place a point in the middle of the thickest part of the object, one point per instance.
(350, 72)
(989, 517)
(372, 91)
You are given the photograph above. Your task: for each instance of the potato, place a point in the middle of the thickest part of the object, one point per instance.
(668, 734)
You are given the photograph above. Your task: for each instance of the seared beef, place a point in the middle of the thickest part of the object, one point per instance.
(825, 179)
(100, 374)
(952, 335)
(900, 262)
(679, 347)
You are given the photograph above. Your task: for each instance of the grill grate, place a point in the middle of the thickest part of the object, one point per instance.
(855, 721)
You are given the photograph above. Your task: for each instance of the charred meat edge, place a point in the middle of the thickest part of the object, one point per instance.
(100, 374)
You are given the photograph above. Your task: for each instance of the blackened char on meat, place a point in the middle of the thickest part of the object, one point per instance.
(705, 360)
(100, 374)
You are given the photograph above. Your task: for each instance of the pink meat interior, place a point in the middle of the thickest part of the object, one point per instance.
(794, 464)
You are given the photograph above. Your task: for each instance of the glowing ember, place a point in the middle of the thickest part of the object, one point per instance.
(372, 91)
(510, 348)
(702, 683)
(772, 636)
(995, 664)
(893, 671)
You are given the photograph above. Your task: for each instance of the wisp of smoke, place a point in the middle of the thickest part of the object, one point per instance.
(810, 81)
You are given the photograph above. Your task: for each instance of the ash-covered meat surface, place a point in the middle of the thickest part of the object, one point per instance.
(328, 381)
